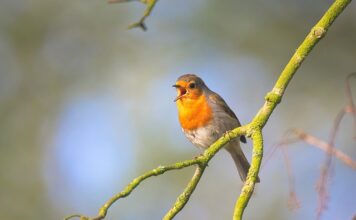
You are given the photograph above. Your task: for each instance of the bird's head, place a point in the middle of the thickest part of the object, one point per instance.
(189, 86)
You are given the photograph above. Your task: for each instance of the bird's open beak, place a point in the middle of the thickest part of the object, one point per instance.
(181, 92)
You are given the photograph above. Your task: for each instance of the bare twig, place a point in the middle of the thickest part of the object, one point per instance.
(293, 202)
(326, 147)
(324, 179)
(141, 23)
(350, 106)
(296, 135)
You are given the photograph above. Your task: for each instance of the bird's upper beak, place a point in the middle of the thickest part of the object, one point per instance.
(180, 90)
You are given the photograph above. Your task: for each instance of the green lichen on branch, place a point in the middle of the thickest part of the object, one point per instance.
(316, 33)
(201, 161)
(250, 182)
(188, 191)
(274, 97)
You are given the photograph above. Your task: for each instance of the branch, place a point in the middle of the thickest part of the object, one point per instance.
(202, 161)
(293, 201)
(322, 184)
(324, 146)
(274, 97)
(295, 135)
(155, 172)
(141, 23)
(350, 106)
(250, 182)
(184, 197)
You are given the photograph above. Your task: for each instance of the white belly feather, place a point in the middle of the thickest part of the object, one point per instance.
(205, 136)
(202, 137)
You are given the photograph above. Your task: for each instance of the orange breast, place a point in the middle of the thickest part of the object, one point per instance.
(194, 113)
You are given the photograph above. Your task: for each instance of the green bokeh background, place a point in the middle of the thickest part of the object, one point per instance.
(86, 105)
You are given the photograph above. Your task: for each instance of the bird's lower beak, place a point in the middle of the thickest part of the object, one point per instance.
(180, 93)
(177, 98)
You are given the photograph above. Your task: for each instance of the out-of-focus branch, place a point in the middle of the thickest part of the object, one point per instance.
(323, 181)
(350, 106)
(296, 135)
(324, 146)
(293, 202)
(141, 23)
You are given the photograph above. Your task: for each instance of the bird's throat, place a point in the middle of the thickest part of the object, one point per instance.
(194, 113)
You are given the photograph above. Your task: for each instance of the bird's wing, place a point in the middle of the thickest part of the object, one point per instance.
(216, 99)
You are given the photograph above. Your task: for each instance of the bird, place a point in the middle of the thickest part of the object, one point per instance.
(204, 117)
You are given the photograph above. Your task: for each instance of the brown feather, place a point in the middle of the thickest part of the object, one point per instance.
(214, 97)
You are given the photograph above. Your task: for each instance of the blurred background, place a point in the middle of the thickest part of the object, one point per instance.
(87, 105)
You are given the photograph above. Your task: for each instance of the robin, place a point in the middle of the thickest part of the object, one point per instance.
(205, 116)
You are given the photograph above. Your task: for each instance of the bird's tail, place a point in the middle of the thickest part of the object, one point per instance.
(240, 160)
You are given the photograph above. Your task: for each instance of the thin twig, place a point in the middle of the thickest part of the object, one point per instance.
(293, 201)
(295, 135)
(286, 139)
(324, 179)
(350, 107)
(326, 147)
(150, 4)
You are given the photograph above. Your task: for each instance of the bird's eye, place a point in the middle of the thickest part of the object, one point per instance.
(192, 85)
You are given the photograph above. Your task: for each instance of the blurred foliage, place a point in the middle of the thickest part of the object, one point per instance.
(54, 52)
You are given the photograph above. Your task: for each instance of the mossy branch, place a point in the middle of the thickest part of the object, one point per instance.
(252, 130)
(188, 191)
(274, 97)
(201, 161)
